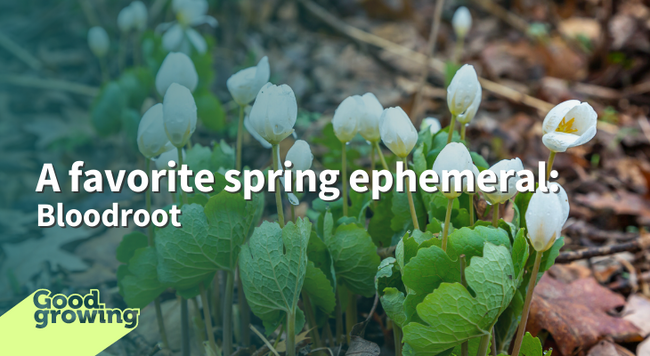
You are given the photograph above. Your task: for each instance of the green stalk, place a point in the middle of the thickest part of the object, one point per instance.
(494, 342)
(278, 193)
(458, 51)
(495, 215)
(414, 215)
(216, 298)
(445, 230)
(311, 319)
(207, 318)
(344, 173)
(102, 66)
(463, 127)
(159, 316)
(529, 297)
(339, 319)
(136, 49)
(227, 314)
(240, 137)
(484, 345)
(293, 213)
(549, 168)
(452, 125)
(372, 159)
(472, 219)
(291, 334)
(185, 329)
(180, 165)
(350, 315)
(381, 155)
(464, 347)
(245, 313)
(397, 337)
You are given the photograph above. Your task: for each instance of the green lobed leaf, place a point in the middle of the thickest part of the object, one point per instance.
(209, 240)
(354, 255)
(388, 276)
(273, 266)
(393, 303)
(532, 346)
(451, 315)
(401, 209)
(319, 289)
(210, 110)
(140, 285)
(379, 226)
(223, 156)
(130, 242)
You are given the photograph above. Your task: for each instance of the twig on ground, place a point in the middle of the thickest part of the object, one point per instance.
(504, 15)
(437, 65)
(13, 48)
(54, 84)
(266, 342)
(623, 284)
(632, 246)
(431, 49)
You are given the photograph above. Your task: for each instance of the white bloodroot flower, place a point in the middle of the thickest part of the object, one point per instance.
(369, 119)
(178, 68)
(471, 111)
(162, 162)
(463, 91)
(245, 84)
(432, 124)
(179, 114)
(454, 156)
(300, 156)
(497, 197)
(346, 118)
(126, 19)
(179, 35)
(152, 138)
(140, 16)
(462, 22)
(397, 131)
(545, 217)
(274, 112)
(569, 124)
(98, 41)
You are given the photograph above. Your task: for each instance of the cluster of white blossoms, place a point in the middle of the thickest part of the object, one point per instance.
(167, 127)
(180, 35)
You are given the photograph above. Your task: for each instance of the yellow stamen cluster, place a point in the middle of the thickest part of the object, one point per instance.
(566, 127)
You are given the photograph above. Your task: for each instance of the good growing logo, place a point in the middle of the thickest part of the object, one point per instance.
(78, 309)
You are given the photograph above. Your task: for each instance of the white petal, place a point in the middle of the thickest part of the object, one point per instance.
(462, 90)
(346, 118)
(251, 130)
(462, 21)
(555, 115)
(179, 114)
(397, 131)
(274, 112)
(369, 120)
(152, 139)
(584, 118)
(172, 38)
(559, 141)
(300, 156)
(197, 40)
(585, 137)
(176, 68)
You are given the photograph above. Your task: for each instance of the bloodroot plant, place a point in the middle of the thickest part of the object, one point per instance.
(450, 282)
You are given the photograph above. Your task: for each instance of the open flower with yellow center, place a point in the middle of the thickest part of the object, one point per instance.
(179, 35)
(569, 124)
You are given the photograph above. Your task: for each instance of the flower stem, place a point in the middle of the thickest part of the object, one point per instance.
(484, 345)
(549, 166)
(452, 125)
(227, 314)
(180, 165)
(372, 160)
(397, 338)
(207, 318)
(445, 230)
(339, 319)
(240, 136)
(278, 193)
(414, 215)
(291, 334)
(529, 297)
(464, 347)
(350, 314)
(344, 173)
(159, 316)
(472, 219)
(494, 342)
(311, 319)
(458, 51)
(293, 213)
(244, 311)
(495, 215)
(463, 127)
(381, 155)
(185, 329)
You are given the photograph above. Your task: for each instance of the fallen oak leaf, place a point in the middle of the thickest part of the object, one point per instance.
(575, 314)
